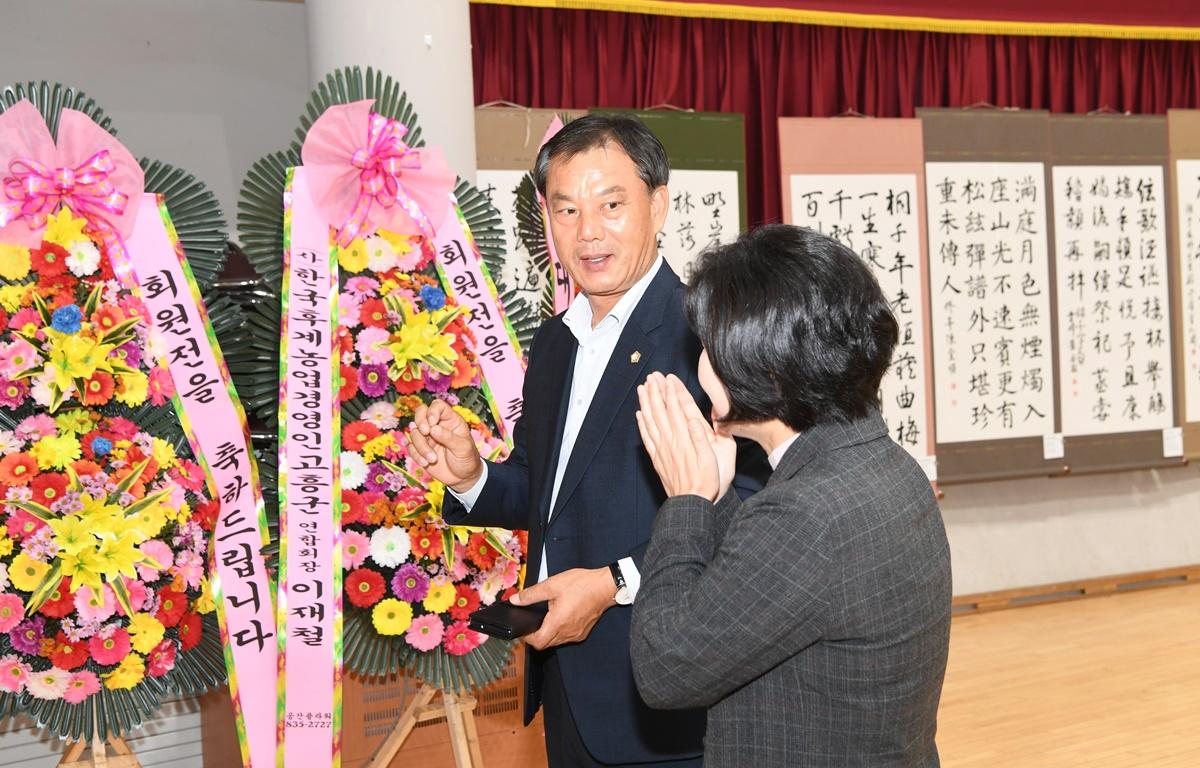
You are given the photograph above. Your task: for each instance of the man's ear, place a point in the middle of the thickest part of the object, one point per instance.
(660, 203)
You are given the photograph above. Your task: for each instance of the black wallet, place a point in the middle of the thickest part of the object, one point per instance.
(507, 621)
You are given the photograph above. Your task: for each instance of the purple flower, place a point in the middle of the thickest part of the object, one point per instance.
(410, 583)
(373, 379)
(437, 384)
(132, 354)
(377, 478)
(26, 637)
(13, 393)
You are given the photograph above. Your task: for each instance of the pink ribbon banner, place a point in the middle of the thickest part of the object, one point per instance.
(215, 423)
(466, 280)
(310, 591)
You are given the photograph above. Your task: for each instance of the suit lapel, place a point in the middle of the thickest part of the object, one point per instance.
(561, 350)
(624, 370)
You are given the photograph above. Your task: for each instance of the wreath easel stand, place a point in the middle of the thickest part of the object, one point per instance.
(122, 756)
(459, 711)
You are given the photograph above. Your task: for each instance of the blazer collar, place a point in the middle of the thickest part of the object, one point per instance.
(827, 437)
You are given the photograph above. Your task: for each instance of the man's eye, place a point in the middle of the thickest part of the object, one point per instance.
(612, 206)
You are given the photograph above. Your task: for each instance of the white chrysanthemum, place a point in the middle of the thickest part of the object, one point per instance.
(382, 415)
(3, 577)
(380, 256)
(354, 470)
(9, 442)
(49, 685)
(390, 546)
(84, 258)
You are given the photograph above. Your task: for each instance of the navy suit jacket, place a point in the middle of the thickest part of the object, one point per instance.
(605, 509)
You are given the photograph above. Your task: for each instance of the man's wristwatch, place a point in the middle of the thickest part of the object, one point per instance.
(622, 597)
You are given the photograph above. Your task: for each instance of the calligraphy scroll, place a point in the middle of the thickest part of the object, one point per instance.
(1114, 318)
(991, 293)
(215, 423)
(862, 183)
(704, 211)
(310, 605)
(1183, 136)
(1112, 227)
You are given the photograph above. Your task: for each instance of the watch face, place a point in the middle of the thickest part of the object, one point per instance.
(623, 597)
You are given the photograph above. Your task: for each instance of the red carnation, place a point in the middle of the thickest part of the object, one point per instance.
(48, 487)
(466, 601)
(50, 260)
(354, 509)
(206, 514)
(190, 630)
(407, 384)
(373, 313)
(364, 587)
(480, 552)
(162, 658)
(172, 606)
(61, 602)
(68, 654)
(349, 383)
(357, 434)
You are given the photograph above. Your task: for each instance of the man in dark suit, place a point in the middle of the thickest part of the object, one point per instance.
(578, 478)
(812, 619)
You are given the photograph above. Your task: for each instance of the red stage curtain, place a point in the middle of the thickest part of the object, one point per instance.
(581, 59)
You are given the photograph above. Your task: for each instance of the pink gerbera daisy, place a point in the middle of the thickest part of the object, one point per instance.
(355, 548)
(13, 673)
(95, 605)
(12, 611)
(425, 632)
(81, 685)
(110, 650)
(460, 639)
(49, 684)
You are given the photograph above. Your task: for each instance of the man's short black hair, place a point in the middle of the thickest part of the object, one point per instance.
(795, 325)
(592, 131)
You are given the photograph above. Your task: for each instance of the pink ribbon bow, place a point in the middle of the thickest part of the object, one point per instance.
(88, 171)
(380, 184)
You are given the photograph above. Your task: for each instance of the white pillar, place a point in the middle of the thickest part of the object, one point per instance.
(425, 45)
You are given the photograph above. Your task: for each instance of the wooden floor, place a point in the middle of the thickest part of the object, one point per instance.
(1107, 682)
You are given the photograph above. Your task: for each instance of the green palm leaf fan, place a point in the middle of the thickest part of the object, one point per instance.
(260, 225)
(200, 226)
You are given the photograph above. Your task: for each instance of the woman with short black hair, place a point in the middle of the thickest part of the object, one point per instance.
(813, 618)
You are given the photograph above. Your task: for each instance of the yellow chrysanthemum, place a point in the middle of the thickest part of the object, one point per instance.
(64, 229)
(440, 597)
(391, 616)
(6, 545)
(164, 453)
(129, 674)
(78, 421)
(132, 389)
(151, 520)
(12, 297)
(56, 451)
(14, 261)
(353, 258)
(468, 416)
(378, 446)
(25, 573)
(145, 632)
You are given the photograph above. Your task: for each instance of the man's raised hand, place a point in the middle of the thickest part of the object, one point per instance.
(440, 441)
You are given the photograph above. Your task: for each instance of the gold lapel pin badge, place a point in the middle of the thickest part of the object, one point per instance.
(635, 357)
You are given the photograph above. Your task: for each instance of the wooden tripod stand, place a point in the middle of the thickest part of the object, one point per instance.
(459, 712)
